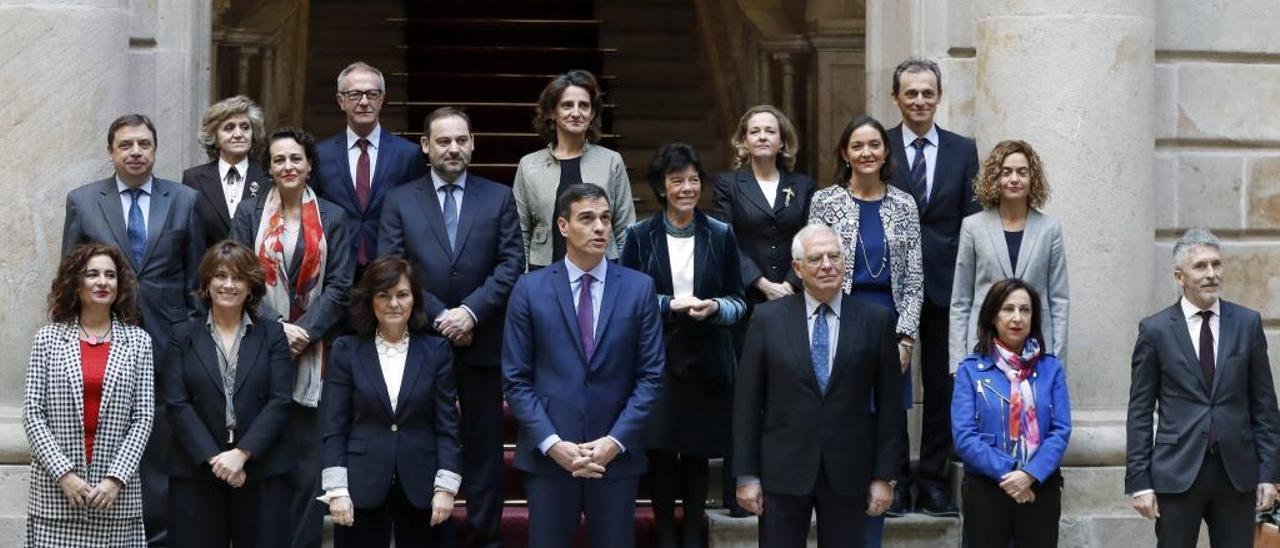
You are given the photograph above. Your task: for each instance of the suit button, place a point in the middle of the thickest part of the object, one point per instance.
(395, 428)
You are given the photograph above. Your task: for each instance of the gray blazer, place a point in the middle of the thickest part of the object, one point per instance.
(536, 180)
(983, 260)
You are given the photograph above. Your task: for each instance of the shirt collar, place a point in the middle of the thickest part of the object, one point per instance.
(597, 272)
(146, 187)
(245, 321)
(1189, 310)
(387, 347)
(372, 138)
(811, 304)
(242, 168)
(909, 136)
(438, 182)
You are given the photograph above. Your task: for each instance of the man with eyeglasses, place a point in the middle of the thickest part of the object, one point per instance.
(803, 433)
(360, 165)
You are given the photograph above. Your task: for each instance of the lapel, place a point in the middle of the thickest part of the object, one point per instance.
(207, 353)
(112, 211)
(702, 255)
(941, 164)
(994, 230)
(844, 343)
(797, 332)
(211, 189)
(414, 363)
(73, 371)
(429, 199)
(750, 188)
(607, 305)
(1030, 237)
(250, 346)
(1228, 329)
(901, 167)
(256, 175)
(386, 150)
(466, 215)
(366, 363)
(160, 200)
(1182, 334)
(660, 257)
(348, 186)
(119, 359)
(560, 283)
(299, 250)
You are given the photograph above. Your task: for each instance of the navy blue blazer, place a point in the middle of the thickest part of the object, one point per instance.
(553, 389)
(374, 444)
(480, 274)
(195, 400)
(950, 202)
(399, 161)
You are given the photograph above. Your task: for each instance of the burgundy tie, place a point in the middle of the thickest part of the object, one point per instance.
(1206, 363)
(586, 310)
(362, 195)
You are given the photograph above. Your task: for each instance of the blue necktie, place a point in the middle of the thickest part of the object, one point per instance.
(137, 229)
(920, 171)
(820, 348)
(450, 214)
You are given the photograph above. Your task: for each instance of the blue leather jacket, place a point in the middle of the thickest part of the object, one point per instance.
(980, 416)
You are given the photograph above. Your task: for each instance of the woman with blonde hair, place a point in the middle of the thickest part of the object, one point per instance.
(231, 133)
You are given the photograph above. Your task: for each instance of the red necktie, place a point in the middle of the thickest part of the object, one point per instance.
(362, 174)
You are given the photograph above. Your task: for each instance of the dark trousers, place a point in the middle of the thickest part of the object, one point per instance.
(935, 376)
(305, 512)
(785, 522)
(480, 393)
(684, 476)
(396, 517)
(1212, 499)
(208, 513)
(992, 519)
(558, 502)
(154, 473)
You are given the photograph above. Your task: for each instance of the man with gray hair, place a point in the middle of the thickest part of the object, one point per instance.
(1201, 366)
(356, 168)
(804, 437)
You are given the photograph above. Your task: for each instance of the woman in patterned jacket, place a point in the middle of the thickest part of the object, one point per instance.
(879, 230)
(88, 407)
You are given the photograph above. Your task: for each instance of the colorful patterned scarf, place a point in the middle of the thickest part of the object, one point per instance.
(306, 288)
(1024, 427)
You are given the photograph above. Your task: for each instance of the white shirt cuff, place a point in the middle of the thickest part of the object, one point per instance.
(747, 480)
(621, 448)
(547, 443)
(448, 481)
(474, 319)
(333, 494)
(1142, 492)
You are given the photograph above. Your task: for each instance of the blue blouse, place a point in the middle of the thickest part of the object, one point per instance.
(871, 273)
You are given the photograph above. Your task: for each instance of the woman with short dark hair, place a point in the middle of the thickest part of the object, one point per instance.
(87, 434)
(1011, 422)
(227, 395)
(391, 447)
(693, 260)
(568, 115)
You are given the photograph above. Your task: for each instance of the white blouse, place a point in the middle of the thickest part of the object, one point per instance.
(770, 190)
(680, 253)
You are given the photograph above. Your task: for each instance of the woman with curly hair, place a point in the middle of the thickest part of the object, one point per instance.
(1010, 238)
(231, 133)
(88, 406)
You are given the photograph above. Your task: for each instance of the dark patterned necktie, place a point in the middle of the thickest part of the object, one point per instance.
(920, 171)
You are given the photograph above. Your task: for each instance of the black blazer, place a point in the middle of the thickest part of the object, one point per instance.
(950, 202)
(374, 444)
(1242, 405)
(321, 317)
(480, 274)
(784, 428)
(212, 205)
(195, 400)
(764, 233)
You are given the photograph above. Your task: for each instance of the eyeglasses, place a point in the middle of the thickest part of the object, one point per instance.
(355, 95)
(816, 259)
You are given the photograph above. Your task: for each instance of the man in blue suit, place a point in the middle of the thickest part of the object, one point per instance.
(582, 359)
(461, 233)
(358, 167)
(937, 167)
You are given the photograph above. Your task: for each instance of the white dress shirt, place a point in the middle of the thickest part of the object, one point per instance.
(930, 153)
(144, 201)
(353, 152)
(1192, 313)
(232, 191)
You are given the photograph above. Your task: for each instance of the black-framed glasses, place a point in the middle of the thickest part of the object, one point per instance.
(354, 95)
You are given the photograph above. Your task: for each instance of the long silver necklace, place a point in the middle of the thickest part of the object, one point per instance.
(866, 261)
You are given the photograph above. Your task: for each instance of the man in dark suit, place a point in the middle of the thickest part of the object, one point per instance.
(937, 167)
(1201, 365)
(154, 222)
(360, 165)
(582, 363)
(804, 435)
(461, 233)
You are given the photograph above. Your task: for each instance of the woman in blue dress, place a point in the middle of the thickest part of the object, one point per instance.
(879, 229)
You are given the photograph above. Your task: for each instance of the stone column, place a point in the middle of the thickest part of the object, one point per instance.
(1076, 80)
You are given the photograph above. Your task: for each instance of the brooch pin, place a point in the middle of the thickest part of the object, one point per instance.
(253, 189)
(790, 194)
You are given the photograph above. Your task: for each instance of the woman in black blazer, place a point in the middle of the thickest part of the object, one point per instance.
(693, 260)
(231, 133)
(301, 241)
(764, 201)
(391, 449)
(227, 395)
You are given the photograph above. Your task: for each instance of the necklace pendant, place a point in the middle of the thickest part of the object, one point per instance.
(93, 340)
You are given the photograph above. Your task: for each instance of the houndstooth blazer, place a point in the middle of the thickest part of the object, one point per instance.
(53, 416)
(834, 206)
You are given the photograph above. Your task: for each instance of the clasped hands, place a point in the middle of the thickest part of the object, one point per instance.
(1017, 484)
(585, 460)
(80, 495)
(456, 325)
(698, 309)
(228, 466)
